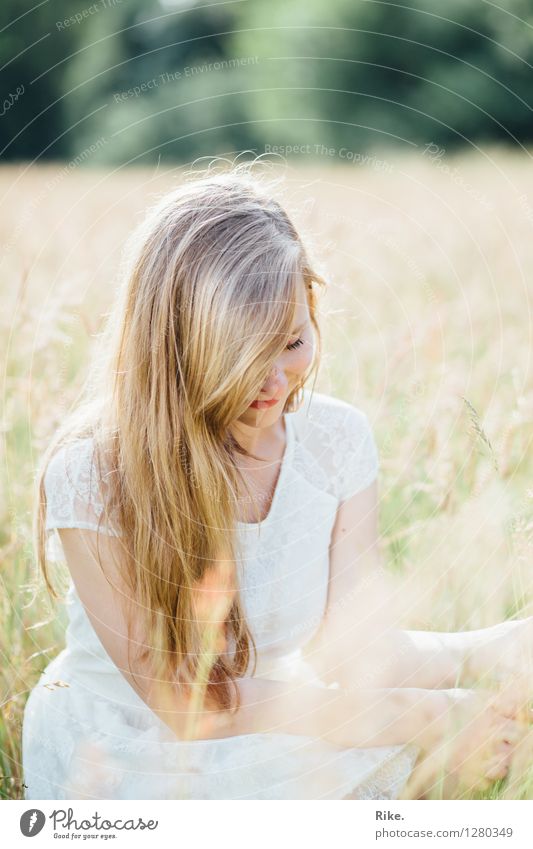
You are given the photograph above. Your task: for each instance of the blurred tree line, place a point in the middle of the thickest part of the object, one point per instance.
(140, 80)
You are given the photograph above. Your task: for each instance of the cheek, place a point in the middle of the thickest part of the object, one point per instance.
(302, 358)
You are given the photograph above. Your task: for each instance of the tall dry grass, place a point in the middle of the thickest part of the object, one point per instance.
(427, 326)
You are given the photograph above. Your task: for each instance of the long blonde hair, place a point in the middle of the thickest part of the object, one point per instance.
(206, 305)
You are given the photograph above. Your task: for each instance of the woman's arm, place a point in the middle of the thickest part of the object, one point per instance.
(348, 718)
(357, 640)
(357, 718)
(361, 718)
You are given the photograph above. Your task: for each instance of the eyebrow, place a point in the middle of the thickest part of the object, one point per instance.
(297, 329)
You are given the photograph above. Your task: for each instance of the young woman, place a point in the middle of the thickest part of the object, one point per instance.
(219, 523)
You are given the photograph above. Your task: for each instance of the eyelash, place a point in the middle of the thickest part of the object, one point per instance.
(295, 344)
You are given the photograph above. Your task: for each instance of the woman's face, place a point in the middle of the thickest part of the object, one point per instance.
(288, 368)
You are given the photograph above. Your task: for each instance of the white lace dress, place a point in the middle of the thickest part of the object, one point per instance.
(86, 732)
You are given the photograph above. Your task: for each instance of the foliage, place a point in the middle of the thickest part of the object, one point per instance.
(219, 77)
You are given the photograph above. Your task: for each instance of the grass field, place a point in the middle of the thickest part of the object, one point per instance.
(427, 325)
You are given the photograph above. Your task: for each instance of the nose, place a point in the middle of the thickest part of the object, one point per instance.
(276, 384)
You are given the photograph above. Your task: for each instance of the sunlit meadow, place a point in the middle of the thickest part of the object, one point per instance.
(426, 326)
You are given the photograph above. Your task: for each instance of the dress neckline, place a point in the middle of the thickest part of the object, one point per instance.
(285, 463)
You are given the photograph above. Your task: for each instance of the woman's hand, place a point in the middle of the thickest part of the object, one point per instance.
(501, 651)
(483, 729)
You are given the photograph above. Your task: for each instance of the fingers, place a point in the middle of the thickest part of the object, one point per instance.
(498, 766)
(497, 769)
(511, 731)
(503, 747)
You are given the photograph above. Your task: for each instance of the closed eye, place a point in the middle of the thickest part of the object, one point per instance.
(295, 344)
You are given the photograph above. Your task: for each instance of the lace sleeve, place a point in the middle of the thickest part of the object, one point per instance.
(356, 457)
(73, 492)
(339, 437)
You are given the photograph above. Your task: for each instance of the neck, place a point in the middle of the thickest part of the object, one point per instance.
(264, 442)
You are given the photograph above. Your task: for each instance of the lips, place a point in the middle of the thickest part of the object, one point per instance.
(261, 404)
